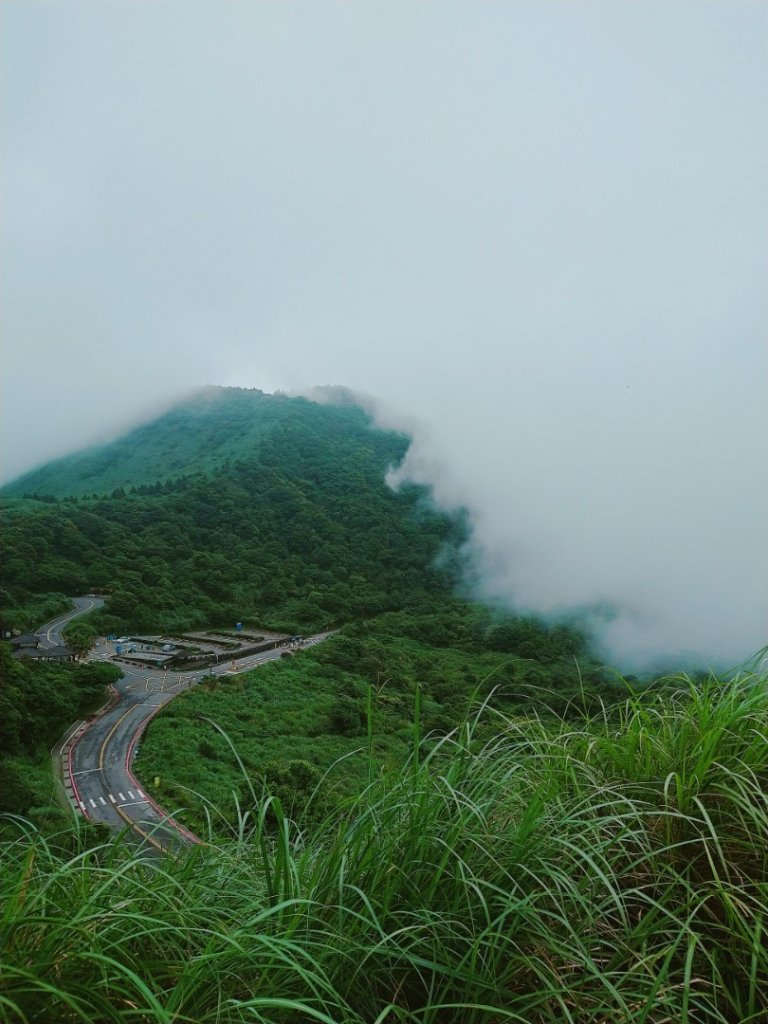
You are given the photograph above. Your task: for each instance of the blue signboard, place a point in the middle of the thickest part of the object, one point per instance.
(238, 626)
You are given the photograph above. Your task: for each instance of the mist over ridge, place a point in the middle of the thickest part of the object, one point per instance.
(648, 607)
(667, 561)
(540, 245)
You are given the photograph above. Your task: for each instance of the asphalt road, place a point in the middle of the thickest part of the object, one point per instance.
(50, 633)
(98, 754)
(99, 762)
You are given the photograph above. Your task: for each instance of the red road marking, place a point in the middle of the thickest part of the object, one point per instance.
(72, 777)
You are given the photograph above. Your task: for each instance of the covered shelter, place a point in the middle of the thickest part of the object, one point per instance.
(60, 652)
(25, 640)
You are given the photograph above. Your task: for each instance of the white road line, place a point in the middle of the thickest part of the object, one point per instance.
(135, 802)
(131, 795)
(82, 806)
(86, 770)
(112, 799)
(103, 801)
(120, 795)
(92, 803)
(141, 794)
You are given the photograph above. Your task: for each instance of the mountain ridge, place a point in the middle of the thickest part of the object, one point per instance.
(244, 505)
(198, 434)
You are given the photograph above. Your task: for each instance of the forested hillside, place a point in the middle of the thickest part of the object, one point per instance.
(286, 521)
(445, 812)
(296, 529)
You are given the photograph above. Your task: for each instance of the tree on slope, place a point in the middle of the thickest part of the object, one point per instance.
(80, 639)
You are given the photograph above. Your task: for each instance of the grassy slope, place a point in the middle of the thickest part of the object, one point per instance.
(291, 720)
(202, 434)
(302, 532)
(604, 871)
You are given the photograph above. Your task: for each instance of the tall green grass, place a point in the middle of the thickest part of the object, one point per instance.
(601, 871)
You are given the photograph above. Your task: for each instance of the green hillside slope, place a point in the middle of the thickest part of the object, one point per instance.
(200, 435)
(296, 527)
(606, 870)
(300, 533)
(377, 848)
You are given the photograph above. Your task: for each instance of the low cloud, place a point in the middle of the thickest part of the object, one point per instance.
(535, 232)
(665, 555)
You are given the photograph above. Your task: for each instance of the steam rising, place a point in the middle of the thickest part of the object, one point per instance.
(535, 232)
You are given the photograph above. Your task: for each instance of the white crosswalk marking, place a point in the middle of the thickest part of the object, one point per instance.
(92, 803)
(102, 800)
(112, 799)
(141, 794)
(82, 806)
(131, 795)
(121, 796)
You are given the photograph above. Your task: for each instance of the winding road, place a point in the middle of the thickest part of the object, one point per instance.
(50, 633)
(96, 755)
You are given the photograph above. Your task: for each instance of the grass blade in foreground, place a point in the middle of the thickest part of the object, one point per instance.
(607, 870)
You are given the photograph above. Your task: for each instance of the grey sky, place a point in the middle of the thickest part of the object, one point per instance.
(538, 229)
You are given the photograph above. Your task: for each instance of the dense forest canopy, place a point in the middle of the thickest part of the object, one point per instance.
(291, 522)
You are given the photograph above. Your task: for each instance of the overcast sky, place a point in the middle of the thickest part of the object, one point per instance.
(537, 231)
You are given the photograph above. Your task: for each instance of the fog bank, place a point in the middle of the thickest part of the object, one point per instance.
(537, 232)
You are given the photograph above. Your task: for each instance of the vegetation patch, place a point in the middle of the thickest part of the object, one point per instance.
(315, 725)
(599, 868)
(38, 702)
(298, 532)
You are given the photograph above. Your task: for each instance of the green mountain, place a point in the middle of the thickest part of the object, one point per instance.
(379, 849)
(278, 516)
(234, 505)
(203, 434)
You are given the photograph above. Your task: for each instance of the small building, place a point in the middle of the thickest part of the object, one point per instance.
(60, 652)
(25, 641)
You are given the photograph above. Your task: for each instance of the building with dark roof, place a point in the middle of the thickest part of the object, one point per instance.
(25, 640)
(58, 653)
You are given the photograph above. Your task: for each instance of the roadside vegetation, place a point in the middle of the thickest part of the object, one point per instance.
(38, 701)
(607, 868)
(24, 610)
(315, 724)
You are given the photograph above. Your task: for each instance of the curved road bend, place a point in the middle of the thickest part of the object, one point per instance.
(98, 756)
(50, 633)
(99, 762)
